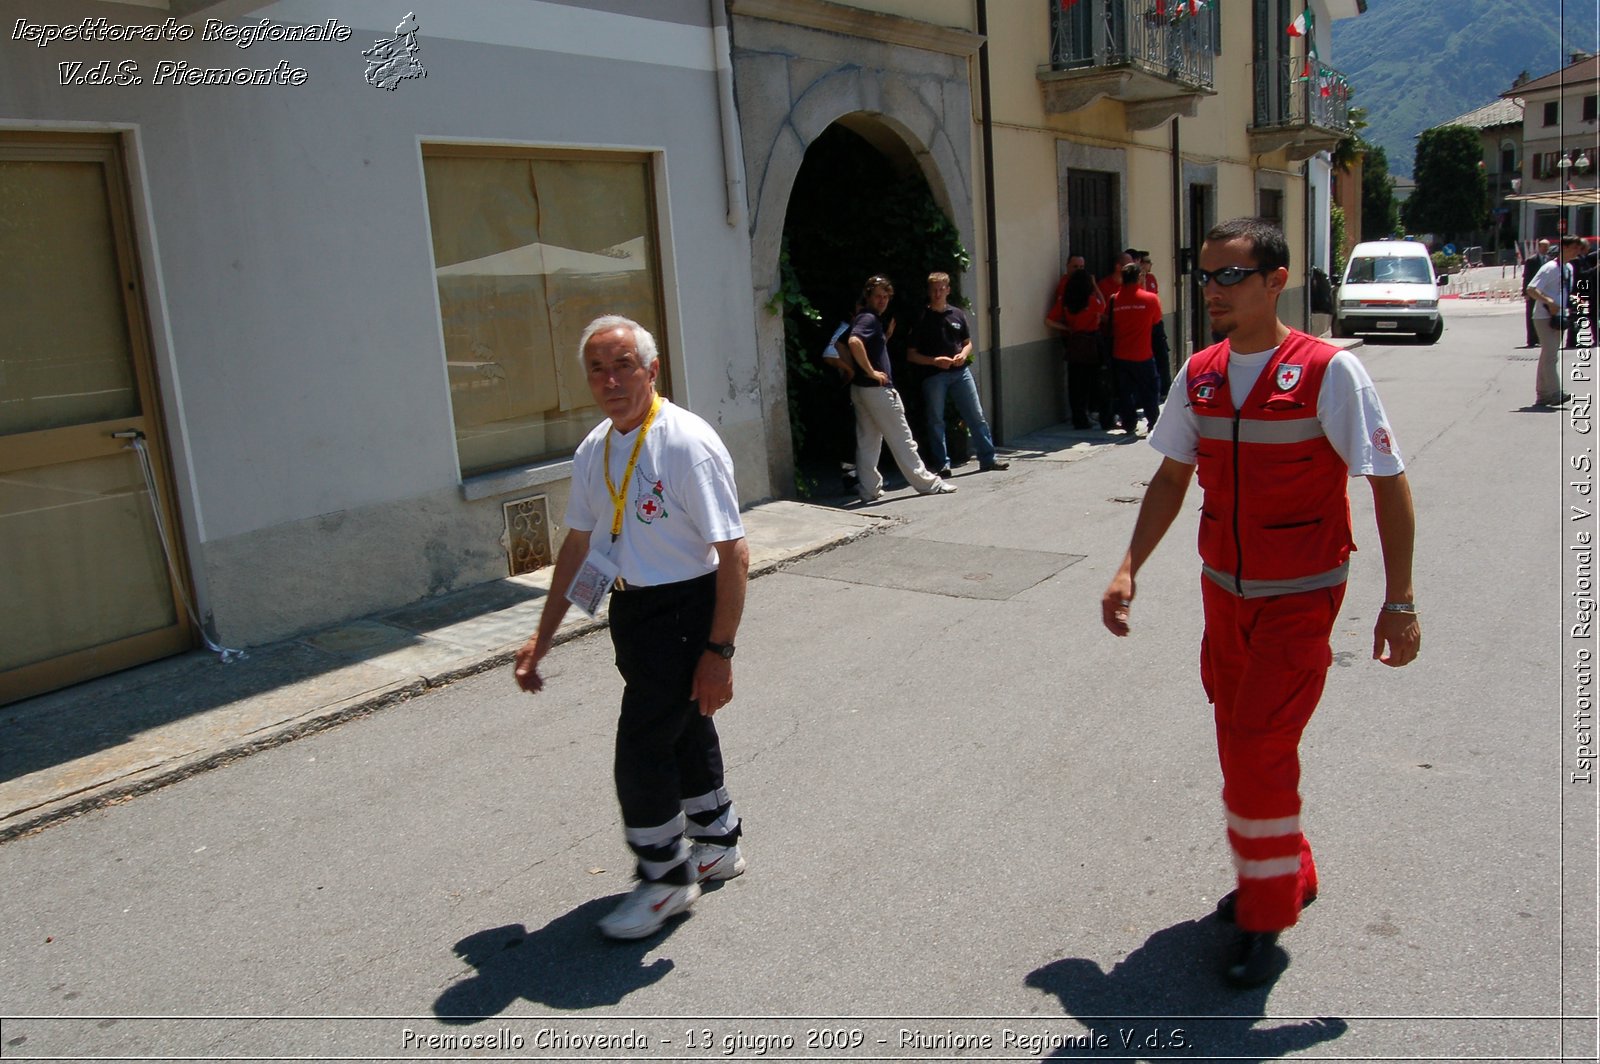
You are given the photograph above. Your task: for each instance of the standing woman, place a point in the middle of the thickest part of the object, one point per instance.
(1079, 319)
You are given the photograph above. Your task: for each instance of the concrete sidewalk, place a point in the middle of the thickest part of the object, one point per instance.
(103, 741)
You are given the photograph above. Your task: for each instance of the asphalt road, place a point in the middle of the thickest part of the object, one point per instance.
(969, 811)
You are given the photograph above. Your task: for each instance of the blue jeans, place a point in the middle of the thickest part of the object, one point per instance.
(958, 385)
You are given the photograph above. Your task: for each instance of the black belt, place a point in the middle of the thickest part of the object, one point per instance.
(677, 586)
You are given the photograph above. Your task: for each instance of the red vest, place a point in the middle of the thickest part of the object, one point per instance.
(1275, 518)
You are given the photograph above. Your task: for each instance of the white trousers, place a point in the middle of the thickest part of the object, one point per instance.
(880, 419)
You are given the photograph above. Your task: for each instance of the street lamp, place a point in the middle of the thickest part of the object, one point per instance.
(1564, 163)
(1581, 164)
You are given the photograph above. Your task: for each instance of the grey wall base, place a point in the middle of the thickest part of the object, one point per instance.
(351, 563)
(1034, 386)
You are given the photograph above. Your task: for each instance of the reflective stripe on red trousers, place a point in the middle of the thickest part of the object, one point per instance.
(1263, 662)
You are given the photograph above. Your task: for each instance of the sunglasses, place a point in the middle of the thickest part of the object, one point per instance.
(1228, 276)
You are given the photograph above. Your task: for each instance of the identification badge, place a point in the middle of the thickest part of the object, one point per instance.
(594, 579)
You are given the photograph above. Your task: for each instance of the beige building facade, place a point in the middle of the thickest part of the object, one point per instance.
(1111, 124)
(1560, 173)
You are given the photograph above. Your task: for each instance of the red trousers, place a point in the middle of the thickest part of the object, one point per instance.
(1263, 663)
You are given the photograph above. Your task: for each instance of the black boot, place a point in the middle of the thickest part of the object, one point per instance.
(1256, 959)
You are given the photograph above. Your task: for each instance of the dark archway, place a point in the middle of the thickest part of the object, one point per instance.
(860, 205)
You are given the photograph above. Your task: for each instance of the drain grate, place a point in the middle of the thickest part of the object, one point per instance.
(527, 535)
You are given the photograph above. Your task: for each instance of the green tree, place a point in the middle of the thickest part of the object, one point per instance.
(1380, 214)
(1452, 193)
(1336, 239)
(1344, 156)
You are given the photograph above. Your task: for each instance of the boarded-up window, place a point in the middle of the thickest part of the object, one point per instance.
(1272, 206)
(528, 248)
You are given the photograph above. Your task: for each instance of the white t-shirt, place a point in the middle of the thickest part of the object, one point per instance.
(1347, 407)
(1550, 280)
(680, 500)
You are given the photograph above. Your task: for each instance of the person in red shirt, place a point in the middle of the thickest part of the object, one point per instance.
(1158, 335)
(1134, 313)
(1078, 315)
(1111, 283)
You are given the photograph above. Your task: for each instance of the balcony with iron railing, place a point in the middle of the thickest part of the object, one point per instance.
(1155, 56)
(1301, 106)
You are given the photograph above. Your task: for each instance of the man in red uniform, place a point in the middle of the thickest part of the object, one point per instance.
(1135, 312)
(1274, 422)
(1158, 335)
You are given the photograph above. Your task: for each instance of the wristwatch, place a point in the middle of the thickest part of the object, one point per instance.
(721, 650)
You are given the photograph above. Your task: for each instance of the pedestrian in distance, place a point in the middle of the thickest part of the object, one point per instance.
(1551, 290)
(1530, 269)
(1135, 312)
(1274, 422)
(1110, 382)
(880, 413)
(941, 342)
(653, 519)
(1079, 317)
(1158, 332)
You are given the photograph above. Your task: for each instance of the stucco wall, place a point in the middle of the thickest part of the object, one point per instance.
(290, 282)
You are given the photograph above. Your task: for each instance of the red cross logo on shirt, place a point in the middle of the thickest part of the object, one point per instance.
(650, 504)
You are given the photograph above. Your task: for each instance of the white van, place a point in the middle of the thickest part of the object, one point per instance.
(1389, 287)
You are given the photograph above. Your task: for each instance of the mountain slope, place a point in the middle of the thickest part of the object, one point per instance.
(1414, 64)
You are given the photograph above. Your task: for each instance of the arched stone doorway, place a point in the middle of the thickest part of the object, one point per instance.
(860, 206)
(898, 84)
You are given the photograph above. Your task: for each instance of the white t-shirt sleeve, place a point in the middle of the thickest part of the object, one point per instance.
(581, 515)
(1177, 434)
(712, 499)
(1352, 417)
(1549, 281)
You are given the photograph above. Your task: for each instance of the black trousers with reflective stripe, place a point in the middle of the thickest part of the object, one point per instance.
(667, 751)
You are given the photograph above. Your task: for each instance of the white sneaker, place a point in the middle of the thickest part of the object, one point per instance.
(707, 860)
(944, 487)
(649, 906)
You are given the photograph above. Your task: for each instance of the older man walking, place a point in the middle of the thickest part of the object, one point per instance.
(654, 518)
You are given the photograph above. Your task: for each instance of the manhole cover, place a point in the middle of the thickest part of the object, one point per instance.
(936, 567)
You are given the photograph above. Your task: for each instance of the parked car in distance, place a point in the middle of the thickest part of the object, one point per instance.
(1389, 287)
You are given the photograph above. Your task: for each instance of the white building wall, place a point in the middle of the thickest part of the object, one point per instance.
(289, 272)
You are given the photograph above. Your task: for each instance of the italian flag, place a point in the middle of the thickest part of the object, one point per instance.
(1301, 26)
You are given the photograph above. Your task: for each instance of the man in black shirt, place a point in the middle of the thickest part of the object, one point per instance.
(942, 342)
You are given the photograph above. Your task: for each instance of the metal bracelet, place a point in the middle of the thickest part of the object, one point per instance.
(1400, 607)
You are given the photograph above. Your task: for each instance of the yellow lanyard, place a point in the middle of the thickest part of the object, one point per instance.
(618, 498)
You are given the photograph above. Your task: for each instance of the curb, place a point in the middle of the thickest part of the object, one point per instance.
(142, 781)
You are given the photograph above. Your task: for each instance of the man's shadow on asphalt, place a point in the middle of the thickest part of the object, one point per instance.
(1168, 999)
(566, 964)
